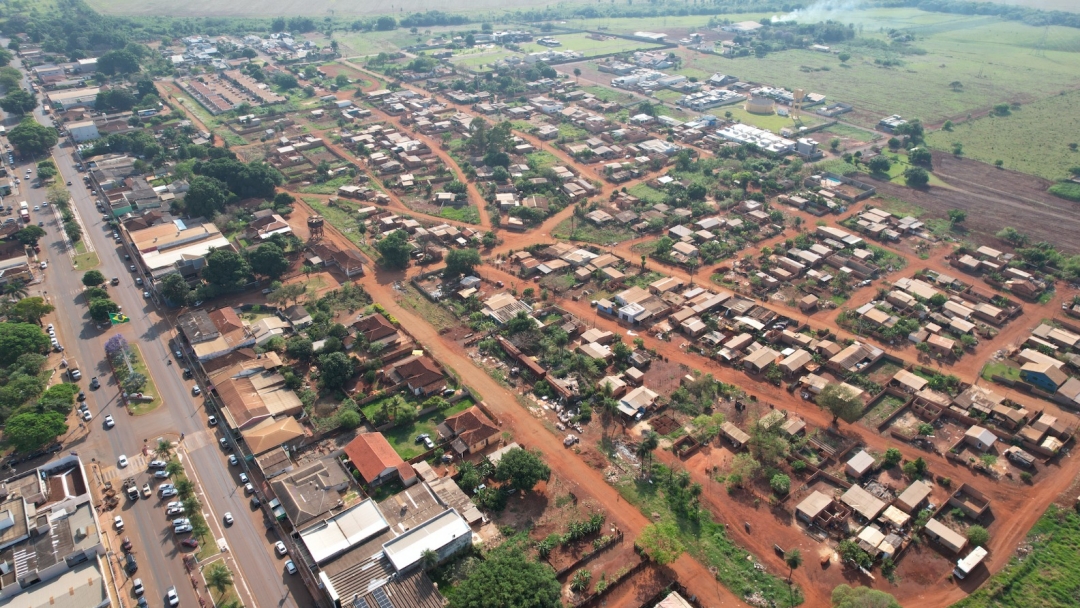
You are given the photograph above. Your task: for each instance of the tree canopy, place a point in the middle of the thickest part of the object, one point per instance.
(117, 99)
(395, 249)
(841, 401)
(32, 138)
(521, 469)
(93, 278)
(122, 61)
(19, 102)
(335, 369)
(461, 262)
(30, 235)
(175, 289)
(206, 196)
(30, 310)
(19, 338)
(844, 596)
(660, 541)
(226, 270)
(29, 431)
(507, 578)
(269, 261)
(101, 309)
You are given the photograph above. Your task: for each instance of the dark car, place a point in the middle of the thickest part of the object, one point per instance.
(130, 564)
(255, 502)
(190, 543)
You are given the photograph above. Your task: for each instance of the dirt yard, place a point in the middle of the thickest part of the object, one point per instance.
(994, 198)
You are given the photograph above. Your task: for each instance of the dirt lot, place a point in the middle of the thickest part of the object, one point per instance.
(994, 198)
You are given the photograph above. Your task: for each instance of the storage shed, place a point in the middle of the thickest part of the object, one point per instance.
(913, 497)
(859, 464)
(949, 538)
(862, 502)
(734, 434)
(980, 438)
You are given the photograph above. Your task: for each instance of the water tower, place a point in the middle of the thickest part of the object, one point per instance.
(315, 228)
(796, 105)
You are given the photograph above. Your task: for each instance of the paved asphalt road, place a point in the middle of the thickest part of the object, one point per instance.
(261, 580)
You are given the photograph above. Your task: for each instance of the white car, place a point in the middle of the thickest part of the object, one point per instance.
(161, 474)
(233, 460)
(249, 489)
(146, 294)
(44, 264)
(280, 548)
(168, 492)
(37, 208)
(174, 511)
(87, 416)
(290, 567)
(118, 522)
(109, 422)
(171, 597)
(182, 529)
(243, 478)
(122, 461)
(228, 519)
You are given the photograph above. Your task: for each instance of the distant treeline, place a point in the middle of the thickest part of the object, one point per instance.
(657, 8)
(1030, 16)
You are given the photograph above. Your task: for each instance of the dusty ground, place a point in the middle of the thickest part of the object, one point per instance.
(994, 198)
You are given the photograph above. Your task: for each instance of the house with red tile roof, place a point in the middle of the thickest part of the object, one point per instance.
(376, 460)
(419, 373)
(470, 431)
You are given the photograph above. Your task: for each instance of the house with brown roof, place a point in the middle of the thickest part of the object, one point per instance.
(312, 490)
(419, 373)
(250, 394)
(216, 333)
(376, 460)
(375, 329)
(470, 431)
(348, 261)
(271, 434)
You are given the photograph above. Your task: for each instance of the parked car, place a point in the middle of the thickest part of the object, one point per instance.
(167, 493)
(290, 567)
(137, 587)
(126, 545)
(161, 474)
(190, 543)
(130, 564)
(280, 548)
(212, 420)
(165, 487)
(118, 523)
(183, 529)
(249, 489)
(233, 460)
(174, 511)
(243, 478)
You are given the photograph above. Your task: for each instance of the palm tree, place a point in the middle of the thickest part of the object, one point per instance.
(217, 575)
(164, 449)
(429, 559)
(793, 559)
(192, 504)
(649, 442)
(185, 488)
(174, 468)
(16, 289)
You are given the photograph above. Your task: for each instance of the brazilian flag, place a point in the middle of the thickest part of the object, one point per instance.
(118, 318)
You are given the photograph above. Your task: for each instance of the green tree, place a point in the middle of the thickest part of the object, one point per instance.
(395, 249)
(461, 262)
(100, 310)
(205, 196)
(218, 577)
(916, 177)
(59, 398)
(841, 401)
(660, 542)
(19, 102)
(793, 559)
(349, 419)
(920, 156)
(19, 338)
(299, 347)
(879, 164)
(844, 596)
(30, 235)
(73, 230)
(507, 578)
(30, 310)
(978, 536)
(93, 278)
(428, 559)
(115, 100)
(287, 293)
(892, 458)
(121, 61)
(335, 369)
(522, 469)
(269, 260)
(226, 269)
(915, 469)
(29, 431)
(780, 483)
(957, 216)
(32, 138)
(175, 289)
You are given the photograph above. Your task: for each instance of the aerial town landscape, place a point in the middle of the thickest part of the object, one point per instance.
(634, 305)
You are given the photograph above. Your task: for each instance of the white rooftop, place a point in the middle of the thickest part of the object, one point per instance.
(433, 534)
(340, 533)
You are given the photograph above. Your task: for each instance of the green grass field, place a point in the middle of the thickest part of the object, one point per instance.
(772, 122)
(994, 60)
(1034, 139)
(474, 59)
(1047, 577)
(589, 47)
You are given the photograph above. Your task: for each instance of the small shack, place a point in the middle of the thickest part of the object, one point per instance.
(913, 497)
(980, 438)
(818, 508)
(947, 537)
(734, 434)
(862, 502)
(859, 464)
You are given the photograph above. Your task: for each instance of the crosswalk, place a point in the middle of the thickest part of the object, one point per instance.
(199, 439)
(135, 464)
